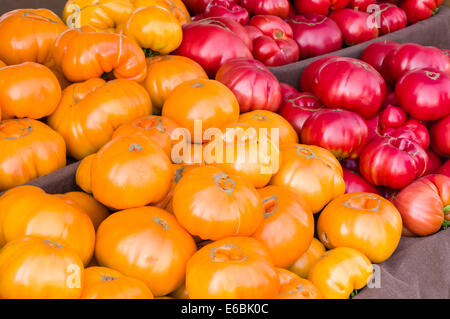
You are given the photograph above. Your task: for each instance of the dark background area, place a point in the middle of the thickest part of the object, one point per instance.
(56, 5)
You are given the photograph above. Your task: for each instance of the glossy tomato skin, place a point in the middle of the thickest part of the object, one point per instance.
(284, 209)
(254, 86)
(409, 56)
(444, 169)
(341, 267)
(413, 130)
(434, 162)
(218, 270)
(408, 160)
(176, 7)
(96, 211)
(360, 4)
(363, 221)
(228, 9)
(423, 204)
(196, 6)
(304, 263)
(392, 117)
(287, 90)
(83, 174)
(315, 34)
(25, 86)
(278, 8)
(213, 205)
(424, 94)
(61, 272)
(344, 82)
(376, 52)
(28, 35)
(342, 132)
(306, 79)
(298, 107)
(313, 172)
(83, 54)
(322, 7)
(234, 27)
(440, 136)
(128, 237)
(30, 149)
(210, 43)
(354, 26)
(295, 287)
(276, 46)
(420, 10)
(392, 18)
(355, 183)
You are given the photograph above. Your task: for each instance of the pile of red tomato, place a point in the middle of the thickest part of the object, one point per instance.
(353, 161)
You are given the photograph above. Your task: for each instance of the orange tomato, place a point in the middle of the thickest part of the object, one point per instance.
(294, 287)
(176, 7)
(313, 172)
(235, 267)
(158, 129)
(89, 112)
(284, 209)
(83, 174)
(130, 171)
(2, 64)
(28, 35)
(302, 265)
(212, 204)
(36, 268)
(271, 121)
(29, 211)
(28, 90)
(180, 293)
(146, 243)
(96, 211)
(85, 54)
(340, 271)
(153, 28)
(106, 283)
(208, 101)
(103, 15)
(165, 73)
(240, 150)
(363, 221)
(29, 149)
(185, 153)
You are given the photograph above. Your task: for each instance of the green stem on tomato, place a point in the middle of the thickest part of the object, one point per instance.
(354, 293)
(150, 53)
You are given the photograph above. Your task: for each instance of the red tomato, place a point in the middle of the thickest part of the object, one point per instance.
(234, 27)
(354, 26)
(375, 53)
(434, 162)
(424, 204)
(306, 78)
(349, 84)
(392, 117)
(444, 169)
(413, 130)
(343, 133)
(409, 56)
(392, 18)
(424, 94)
(440, 136)
(418, 10)
(355, 183)
(210, 43)
(197, 6)
(360, 5)
(298, 107)
(254, 86)
(287, 90)
(278, 8)
(319, 6)
(315, 34)
(225, 8)
(276, 46)
(393, 162)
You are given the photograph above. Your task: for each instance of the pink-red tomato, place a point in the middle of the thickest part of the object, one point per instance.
(376, 52)
(319, 6)
(278, 8)
(228, 9)
(392, 18)
(354, 26)
(418, 10)
(440, 136)
(355, 183)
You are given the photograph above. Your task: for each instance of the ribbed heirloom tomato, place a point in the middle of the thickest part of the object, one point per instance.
(165, 73)
(284, 209)
(28, 35)
(440, 136)
(376, 52)
(29, 149)
(212, 204)
(208, 101)
(363, 221)
(319, 6)
(130, 171)
(235, 267)
(146, 243)
(38, 268)
(84, 54)
(294, 287)
(354, 25)
(153, 28)
(304, 263)
(28, 211)
(176, 7)
(228, 9)
(106, 283)
(83, 174)
(89, 112)
(313, 172)
(340, 271)
(96, 211)
(278, 8)
(28, 90)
